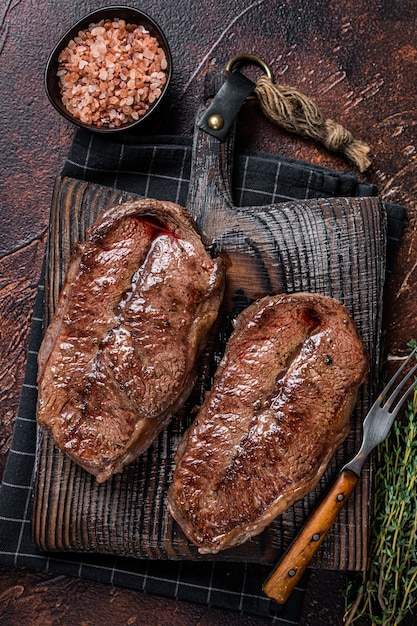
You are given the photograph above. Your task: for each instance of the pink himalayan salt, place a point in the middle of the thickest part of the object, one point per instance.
(111, 73)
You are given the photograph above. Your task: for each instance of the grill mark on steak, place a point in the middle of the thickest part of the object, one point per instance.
(134, 314)
(278, 409)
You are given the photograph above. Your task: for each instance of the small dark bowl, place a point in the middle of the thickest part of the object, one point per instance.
(130, 15)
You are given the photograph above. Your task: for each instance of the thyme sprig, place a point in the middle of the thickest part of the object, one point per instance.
(388, 589)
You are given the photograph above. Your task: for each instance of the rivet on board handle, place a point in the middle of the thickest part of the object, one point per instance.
(287, 574)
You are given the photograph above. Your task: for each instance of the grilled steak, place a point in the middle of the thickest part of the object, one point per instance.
(279, 407)
(134, 313)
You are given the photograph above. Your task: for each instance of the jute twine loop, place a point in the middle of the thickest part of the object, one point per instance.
(289, 108)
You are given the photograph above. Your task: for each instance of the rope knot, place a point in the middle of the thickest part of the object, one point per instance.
(292, 110)
(335, 136)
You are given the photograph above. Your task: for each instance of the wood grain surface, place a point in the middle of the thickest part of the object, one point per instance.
(357, 58)
(71, 511)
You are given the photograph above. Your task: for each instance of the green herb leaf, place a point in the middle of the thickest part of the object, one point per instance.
(388, 589)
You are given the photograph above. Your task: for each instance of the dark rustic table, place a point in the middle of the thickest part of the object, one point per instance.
(357, 59)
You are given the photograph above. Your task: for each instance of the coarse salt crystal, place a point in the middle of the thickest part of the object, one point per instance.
(104, 60)
(98, 30)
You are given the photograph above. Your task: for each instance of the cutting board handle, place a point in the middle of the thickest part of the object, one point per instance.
(248, 243)
(209, 194)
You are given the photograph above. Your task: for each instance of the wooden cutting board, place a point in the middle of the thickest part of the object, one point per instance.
(331, 246)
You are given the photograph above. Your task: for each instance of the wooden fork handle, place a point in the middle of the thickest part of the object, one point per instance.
(295, 561)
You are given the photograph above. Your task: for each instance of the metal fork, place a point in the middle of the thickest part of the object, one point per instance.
(376, 427)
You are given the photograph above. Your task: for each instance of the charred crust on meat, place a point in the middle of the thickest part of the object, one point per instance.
(138, 301)
(278, 409)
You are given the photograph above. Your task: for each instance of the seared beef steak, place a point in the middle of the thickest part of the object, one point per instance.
(279, 407)
(135, 311)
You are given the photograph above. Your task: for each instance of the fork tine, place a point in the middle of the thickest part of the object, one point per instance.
(398, 388)
(395, 376)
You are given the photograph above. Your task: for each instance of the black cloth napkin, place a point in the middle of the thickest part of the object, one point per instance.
(160, 167)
